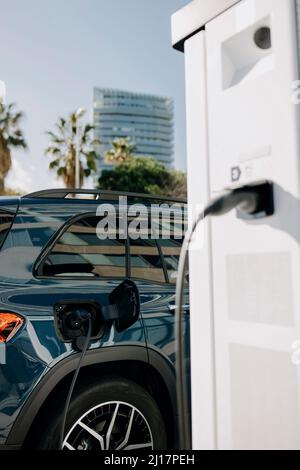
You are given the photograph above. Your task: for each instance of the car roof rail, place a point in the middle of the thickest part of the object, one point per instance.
(98, 194)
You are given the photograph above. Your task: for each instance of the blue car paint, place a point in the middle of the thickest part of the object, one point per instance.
(36, 348)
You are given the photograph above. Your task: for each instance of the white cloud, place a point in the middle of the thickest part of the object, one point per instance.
(19, 177)
(33, 176)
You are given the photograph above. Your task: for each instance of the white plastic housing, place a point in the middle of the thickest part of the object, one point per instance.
(243, 126)
(195, 16)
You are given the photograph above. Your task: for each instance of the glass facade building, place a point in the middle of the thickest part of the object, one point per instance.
(148, 121)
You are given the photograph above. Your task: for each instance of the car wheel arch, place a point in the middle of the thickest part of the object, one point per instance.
(104, 357)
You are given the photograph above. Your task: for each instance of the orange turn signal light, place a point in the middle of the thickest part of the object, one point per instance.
(10, 323)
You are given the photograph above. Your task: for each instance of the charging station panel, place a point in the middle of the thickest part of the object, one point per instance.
(242, 86)
(253, 134)
(253, 124)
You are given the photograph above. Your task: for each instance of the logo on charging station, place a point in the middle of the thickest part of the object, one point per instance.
(236, 174)
(244, 172)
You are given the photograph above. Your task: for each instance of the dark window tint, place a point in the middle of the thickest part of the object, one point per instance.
(171, 230)
(80, 252)
(145, 260)
(171, 251)
(5, 223)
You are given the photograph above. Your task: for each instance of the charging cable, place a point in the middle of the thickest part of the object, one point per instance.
(72, 386)
(256, 200)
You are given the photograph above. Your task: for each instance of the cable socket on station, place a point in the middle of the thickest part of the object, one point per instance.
(252, 201)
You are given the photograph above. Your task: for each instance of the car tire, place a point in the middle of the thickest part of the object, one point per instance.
(137, 419)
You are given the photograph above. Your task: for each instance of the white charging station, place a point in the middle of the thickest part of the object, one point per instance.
(243, 126)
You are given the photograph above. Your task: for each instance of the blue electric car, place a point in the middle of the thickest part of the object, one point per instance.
(52, 261)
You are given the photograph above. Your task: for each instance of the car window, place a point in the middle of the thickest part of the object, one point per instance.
(80, 252)
(6, 220)
(171, 249)
(170, 233)
(145, 260)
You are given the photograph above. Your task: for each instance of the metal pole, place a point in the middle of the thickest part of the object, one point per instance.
(77, 162)
(80, 112)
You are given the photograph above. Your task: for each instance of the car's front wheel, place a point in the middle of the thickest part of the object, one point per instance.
(114, 414)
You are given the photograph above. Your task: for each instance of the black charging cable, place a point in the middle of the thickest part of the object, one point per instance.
(75, 377)
(250, 200)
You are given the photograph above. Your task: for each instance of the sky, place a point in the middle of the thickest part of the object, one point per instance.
(54, 52)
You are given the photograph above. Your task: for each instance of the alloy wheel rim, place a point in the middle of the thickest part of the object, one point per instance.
(113, 425)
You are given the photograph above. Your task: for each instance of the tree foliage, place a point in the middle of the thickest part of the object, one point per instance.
(144, 175)
(121, 152)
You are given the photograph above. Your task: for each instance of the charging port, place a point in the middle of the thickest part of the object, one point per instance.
(68, 316)
(265, 206)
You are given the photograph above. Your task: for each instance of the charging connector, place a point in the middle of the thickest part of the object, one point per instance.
(82, 322)
(251, 201)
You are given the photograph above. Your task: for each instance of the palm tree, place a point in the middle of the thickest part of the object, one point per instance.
(122, 151)
(63, 148)
(11, 137)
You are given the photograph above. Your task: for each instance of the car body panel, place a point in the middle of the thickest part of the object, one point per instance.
(36, 349)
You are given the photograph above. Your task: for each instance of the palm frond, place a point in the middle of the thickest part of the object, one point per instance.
(62, 122)
(55, 139)
(17, 118)
(15, 141)
(53, 151)
(61, 171)
(91, 160)
(9, 122)
(88, 128)
(54, 164)
(95, 142)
